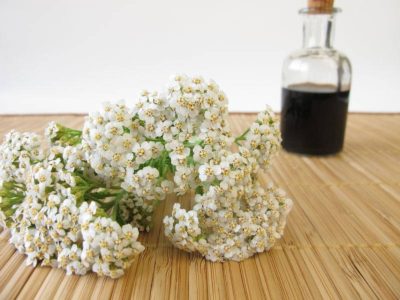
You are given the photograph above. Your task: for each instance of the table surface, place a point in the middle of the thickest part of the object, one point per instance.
(342, 239)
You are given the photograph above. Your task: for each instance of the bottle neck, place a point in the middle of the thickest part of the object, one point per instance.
(318, 30)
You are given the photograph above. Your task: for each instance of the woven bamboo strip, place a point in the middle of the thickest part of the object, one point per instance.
(342, 239)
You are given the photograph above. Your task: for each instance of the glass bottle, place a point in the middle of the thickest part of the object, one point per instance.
(316, 84)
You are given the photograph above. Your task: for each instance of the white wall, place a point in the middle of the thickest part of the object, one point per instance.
(67, 56)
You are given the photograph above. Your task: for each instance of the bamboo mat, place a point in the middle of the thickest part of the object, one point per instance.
(342, 239)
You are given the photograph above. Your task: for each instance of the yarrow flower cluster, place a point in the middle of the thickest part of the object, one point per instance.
(80, 204)
(57, 209)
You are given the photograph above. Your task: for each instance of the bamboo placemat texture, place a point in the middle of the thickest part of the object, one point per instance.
(342, 239)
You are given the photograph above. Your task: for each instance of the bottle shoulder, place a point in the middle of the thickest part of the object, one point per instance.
(317, 56)
(317, 53)
(321, 66)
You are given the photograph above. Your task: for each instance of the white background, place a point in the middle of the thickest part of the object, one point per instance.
(69, 56)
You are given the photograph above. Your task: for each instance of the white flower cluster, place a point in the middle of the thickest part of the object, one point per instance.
(59, 234)
(53, 220)
(80, 206)
(17, 153)
(233, 216)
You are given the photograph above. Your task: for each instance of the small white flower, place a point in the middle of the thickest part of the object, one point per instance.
(207, 172)
(43, 176)
(142, 152)
(202, 154)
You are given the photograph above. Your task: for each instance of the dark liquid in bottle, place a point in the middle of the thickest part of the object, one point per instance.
(313, 118)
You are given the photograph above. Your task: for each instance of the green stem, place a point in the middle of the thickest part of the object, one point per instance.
(158, 140)
(115, 208)
(192, 145)
(241, 137)
(11, 196)
(67, 136)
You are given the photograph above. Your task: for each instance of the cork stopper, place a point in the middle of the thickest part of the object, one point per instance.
(320, 6)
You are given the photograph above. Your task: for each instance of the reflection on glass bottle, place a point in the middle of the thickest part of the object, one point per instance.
(316, 87)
